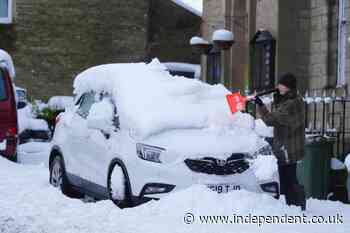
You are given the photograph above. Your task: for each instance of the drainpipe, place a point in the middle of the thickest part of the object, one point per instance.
(342, 21)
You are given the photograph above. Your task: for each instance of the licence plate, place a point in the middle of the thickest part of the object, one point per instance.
(224, 188)
(3, 145)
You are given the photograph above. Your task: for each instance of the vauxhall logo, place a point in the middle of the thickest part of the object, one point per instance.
(221, 162)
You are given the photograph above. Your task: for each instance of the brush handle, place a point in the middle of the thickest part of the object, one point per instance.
(266, 92)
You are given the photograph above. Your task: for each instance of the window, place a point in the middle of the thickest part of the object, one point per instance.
(3, 95)
(5, 11)
(86, 101)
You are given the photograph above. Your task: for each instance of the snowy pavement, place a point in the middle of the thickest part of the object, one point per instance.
(28, 204)
(34, 153)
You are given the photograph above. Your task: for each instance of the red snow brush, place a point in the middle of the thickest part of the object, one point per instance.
(236, 102)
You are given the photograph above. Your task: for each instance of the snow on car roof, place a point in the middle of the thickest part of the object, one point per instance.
(6, 61)
(150, 100)
(187, 67)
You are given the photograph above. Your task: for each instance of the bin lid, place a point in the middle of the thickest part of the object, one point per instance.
(318, 140)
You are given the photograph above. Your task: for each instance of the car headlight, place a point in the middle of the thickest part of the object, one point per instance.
(149, 153)
(266, 150)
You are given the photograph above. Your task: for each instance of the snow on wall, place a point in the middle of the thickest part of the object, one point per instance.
(192, 6)
(6, 60)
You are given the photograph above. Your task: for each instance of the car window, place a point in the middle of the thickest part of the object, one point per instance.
(87, 100)
(3, 94)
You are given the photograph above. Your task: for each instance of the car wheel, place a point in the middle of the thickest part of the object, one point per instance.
(118, 186)
(59, 179)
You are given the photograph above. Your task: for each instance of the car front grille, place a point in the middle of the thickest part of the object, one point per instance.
(236, 163)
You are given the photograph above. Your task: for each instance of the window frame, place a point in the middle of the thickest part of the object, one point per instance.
(8, 19)
(3, 77)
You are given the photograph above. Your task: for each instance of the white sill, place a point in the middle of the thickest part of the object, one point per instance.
(5, 20)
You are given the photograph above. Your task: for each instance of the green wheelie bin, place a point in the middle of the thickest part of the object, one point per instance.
(314, 170)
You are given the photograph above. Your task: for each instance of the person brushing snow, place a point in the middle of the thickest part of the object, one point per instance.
(287, 118)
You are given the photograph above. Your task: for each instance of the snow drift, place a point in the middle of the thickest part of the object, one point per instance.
(30, 205)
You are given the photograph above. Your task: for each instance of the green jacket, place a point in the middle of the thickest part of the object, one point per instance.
(288, 120)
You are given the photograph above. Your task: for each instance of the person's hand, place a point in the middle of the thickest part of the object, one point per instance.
(258, 101)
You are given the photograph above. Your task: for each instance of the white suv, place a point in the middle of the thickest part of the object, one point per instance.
(137, 133)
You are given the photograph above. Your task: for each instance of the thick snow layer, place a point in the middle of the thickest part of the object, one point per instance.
(30, 205)
(336, 164)
(150, 100)
(185, 67)
(198, 41)
(347, 162)
(223, 35)
(6, 60)
(101, 116)
(34, 153)
(194, 6)
(26, 120)
(60, 102)
(118, 183)
(264, 167)
(262, 129)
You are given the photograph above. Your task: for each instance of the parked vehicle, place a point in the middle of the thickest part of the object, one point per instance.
(30, 127)
(8, 114)
(21, 95)
(184, 69)
(121, 142)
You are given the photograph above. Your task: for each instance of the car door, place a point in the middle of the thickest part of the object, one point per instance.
(77, 139)
(96, 155)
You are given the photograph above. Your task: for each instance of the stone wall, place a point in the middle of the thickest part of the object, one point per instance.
(267, 16)
(323, 42)
(170, 29)
(51, 41)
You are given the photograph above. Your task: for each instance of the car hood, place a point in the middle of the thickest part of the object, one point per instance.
(194, 143)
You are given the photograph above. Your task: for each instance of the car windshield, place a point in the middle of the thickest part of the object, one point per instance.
(3, 95)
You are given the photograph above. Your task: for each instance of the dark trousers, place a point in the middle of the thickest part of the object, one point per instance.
(288, 176)
(290, 187)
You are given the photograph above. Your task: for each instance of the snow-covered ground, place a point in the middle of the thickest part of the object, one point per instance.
(28, 204)
(34, 153)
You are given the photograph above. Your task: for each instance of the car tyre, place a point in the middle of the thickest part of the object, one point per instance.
(118, 185)
(58, 178)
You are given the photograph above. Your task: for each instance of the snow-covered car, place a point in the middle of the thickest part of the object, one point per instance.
(30, 128)
(138, 133)
(21, 97)
(184, 69)
(60, 103)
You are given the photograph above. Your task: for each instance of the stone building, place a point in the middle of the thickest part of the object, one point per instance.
(306, 33)
(51, 41)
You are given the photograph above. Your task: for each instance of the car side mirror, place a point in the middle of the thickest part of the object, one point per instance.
(101, 116)
(21, 104)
